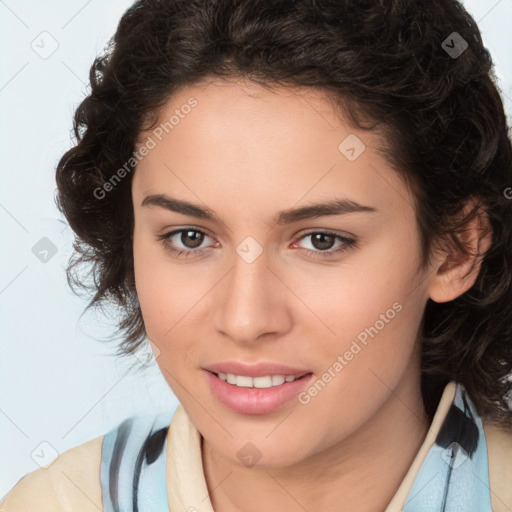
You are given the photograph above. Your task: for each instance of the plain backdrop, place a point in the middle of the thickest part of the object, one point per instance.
(59, 386)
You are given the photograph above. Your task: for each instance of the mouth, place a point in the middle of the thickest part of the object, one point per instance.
(256, 395)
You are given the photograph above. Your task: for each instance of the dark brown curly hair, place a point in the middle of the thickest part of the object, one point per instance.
(399, 66)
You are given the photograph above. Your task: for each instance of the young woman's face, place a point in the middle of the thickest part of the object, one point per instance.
(257, 284)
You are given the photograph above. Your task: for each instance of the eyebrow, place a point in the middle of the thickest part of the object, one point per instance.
(333, 207)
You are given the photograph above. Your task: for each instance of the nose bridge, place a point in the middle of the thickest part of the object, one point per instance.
(252, 301)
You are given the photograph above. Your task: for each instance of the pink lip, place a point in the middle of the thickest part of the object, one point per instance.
(255, 370)
(256, 400)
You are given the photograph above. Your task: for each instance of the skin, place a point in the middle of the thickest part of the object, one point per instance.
(246, 153)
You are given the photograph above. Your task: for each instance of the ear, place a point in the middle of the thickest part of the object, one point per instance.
(455, 272)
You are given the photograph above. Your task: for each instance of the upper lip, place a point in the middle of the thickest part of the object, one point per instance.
(255, 370)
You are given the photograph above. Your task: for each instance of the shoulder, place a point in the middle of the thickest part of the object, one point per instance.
(499, 449)
(74, 480)
(70, 482)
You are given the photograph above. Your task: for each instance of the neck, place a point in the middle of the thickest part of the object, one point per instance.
(362, 472)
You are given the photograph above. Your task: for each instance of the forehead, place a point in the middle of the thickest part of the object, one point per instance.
(238, 139)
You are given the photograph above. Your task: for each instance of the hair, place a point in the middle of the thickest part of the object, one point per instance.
(386, 64)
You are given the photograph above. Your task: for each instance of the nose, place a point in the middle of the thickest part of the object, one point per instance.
(252, 302)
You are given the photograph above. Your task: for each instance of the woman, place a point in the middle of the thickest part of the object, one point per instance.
(305, 206)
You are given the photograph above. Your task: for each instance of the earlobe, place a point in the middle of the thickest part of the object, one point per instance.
(454, 272)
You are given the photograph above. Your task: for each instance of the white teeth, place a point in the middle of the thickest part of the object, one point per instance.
(278, 379)
(267, 381)
(243, 381)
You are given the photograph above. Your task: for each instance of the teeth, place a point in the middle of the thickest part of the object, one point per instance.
(278, 379)
(243, 382)
(267, 381)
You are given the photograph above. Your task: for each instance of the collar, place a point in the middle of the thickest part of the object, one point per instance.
(451, 470)
(448, 474)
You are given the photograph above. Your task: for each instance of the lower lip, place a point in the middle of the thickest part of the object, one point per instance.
(255, 400)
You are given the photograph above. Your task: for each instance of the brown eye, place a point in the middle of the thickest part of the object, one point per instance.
(324, 245)
(184, 242)
(322, 241)
(196, 238)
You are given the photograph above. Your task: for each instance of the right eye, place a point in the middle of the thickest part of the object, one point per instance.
(189, 238)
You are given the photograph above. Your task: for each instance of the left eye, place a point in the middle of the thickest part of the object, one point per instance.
(321, 239)
(192, 239)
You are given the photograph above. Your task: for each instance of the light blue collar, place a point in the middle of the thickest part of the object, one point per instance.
(454, 477)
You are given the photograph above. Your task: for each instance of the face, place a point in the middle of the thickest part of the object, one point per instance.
(336, 296)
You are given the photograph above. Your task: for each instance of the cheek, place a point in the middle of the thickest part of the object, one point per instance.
(168, 296)
(158, 293)
(365, 337)
(366, 360)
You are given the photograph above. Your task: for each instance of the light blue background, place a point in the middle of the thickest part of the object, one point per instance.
(57, 384)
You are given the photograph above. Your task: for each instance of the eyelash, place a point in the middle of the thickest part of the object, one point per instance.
(348, 243)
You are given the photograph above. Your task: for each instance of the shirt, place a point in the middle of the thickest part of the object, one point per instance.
(154, 464)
